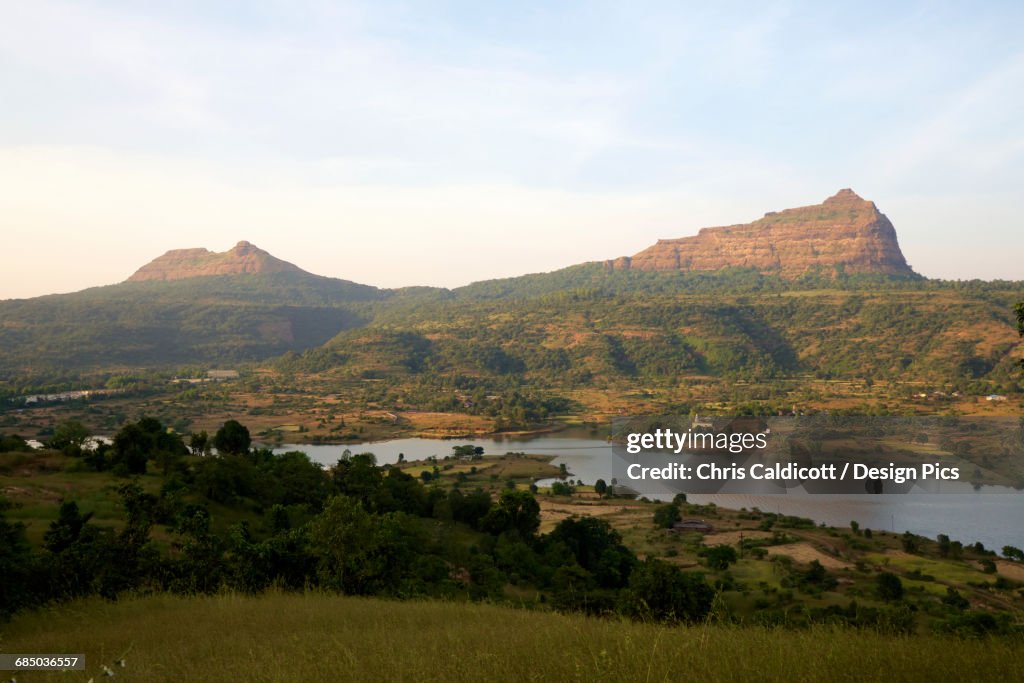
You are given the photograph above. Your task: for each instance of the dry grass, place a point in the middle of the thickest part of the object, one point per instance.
(807, 553)
(553, 511)
(1011, 570)
(317, 637)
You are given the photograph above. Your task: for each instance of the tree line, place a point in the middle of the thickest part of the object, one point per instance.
(357, 527)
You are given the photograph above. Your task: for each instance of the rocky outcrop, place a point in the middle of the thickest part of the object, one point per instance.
(244, 258)
(844, 233)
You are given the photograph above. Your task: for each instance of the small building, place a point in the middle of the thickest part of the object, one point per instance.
(702, 422)
(698, 525)
(221, 375)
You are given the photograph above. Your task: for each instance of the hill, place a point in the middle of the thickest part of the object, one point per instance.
(661, 333)
(179, 264)
(843, 234)
(822, 290)
(158, 323)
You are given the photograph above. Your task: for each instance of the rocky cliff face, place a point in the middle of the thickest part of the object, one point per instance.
(844, 232)
(179, 264)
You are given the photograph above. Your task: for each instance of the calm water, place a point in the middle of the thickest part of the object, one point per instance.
(993, 515)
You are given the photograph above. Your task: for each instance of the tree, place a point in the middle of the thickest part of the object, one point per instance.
(1019, 309)
(666, 515)
(515, 511)
(1013, 553)
(469, 508)
(600, 487)
(66, 529)
(199, 443)
(911, 542)
(232, 438)
(69, 437)
(400, 492)
(13, 443)
(296, 480)
(560, 488)
(345, 538)
(16, 565)
(225, 479)
(358, 476)
(719, 557)
(596, 547)
(658, 590)
(132, 448)
(889, 587)
(955, 600)
(137, 442)
(359, 552)
(817, 575)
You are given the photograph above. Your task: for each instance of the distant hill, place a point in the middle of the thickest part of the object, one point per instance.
(146, 323)
(818, 290)
(658, 334)
(843, 234)
(244, 258)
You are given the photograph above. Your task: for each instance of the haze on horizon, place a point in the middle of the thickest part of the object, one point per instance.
(442, 143)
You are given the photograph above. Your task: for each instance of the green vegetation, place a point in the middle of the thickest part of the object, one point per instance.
(184, 540)
(167, 324)
(581, 326)
(899, 331)
(357, 528)
(144, 515)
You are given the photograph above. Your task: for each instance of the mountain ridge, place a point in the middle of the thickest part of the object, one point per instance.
(243, 258)
(196, 306)
(845, 233)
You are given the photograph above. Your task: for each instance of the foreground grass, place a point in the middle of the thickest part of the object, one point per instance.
(317, 637)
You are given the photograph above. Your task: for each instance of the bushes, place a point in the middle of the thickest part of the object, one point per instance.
(666, 515)
(659, 591)
(889, 586)
(16, 565)
(719, 557)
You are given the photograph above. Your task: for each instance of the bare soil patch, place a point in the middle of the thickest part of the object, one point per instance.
(806, 553)
(1011, 570)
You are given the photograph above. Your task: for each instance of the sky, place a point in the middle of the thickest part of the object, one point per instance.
(440, 143)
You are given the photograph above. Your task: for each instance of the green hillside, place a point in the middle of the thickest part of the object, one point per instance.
(654, 329)
(164, 324)
(583, 326)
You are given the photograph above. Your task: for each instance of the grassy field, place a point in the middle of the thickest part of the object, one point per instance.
(315, 637)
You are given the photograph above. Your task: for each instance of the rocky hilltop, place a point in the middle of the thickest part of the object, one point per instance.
(845, 232)
(243, 258)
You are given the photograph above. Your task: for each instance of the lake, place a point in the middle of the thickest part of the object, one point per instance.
(993, 515)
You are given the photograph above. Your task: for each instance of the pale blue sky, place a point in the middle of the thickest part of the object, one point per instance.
(440, 143)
